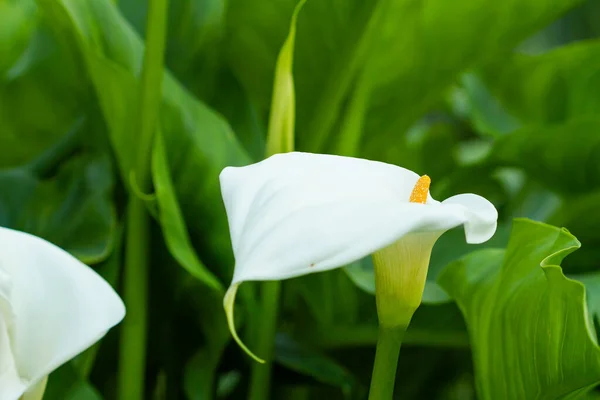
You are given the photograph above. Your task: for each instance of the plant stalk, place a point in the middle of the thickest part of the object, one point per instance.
(132, 360)
(132, 356)
(260, 375)
(383, 380)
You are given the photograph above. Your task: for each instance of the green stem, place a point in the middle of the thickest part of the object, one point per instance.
(132, 360)
(260, 375)
(386, 361)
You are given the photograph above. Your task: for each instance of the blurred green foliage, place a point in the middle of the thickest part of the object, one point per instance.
(500, 98)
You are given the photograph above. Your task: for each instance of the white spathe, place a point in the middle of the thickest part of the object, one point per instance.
(52, 307)
(298, 213)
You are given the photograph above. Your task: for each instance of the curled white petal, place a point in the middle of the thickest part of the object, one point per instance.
(299, 213)
(301, 180)
(59, 307)
(481, 217)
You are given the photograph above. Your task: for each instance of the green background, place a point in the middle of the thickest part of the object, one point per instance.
(498, 98)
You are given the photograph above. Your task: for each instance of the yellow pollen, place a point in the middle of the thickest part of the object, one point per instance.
(420, 191)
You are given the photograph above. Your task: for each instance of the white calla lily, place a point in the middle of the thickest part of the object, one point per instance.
(299, 213)
(52, 307)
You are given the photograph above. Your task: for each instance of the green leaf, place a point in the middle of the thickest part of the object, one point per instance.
(280, 138)
(484, 110)
(17, 23)
(550, 95)
(564, 157)
(36, 110)
(527, 322)
(551, 88)
(198, 142)
(432, 51)
(172, 222)
(194, 43)
(398, 71)
(72, 209)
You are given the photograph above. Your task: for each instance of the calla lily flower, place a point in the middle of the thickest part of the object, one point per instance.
(52, 307)
(297, 213)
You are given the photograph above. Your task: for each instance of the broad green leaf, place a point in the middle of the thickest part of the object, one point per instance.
(551, 88)
(408, 65)
(280, 138)
(232, 102)
(171, 219)
(196, 29)
(72, 209)
(564, 157)
(433, 47)
(35, 110)
(194, 42)
(527, 322)
(550, 95)
(17, 23)
(198, 142)
(474, 100)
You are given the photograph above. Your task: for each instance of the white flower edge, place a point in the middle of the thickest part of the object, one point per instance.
(52, 307)
(299, 213)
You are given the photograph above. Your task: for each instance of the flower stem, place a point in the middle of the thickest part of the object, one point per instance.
(389, 341)
(132, 360)
(260, 375)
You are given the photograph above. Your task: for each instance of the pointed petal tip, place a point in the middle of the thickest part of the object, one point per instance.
(225, 173)
(228, 304)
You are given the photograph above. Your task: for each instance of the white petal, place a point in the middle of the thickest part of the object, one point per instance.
(328, 236)
(480, 216)
(298, 213)
(283, 183)
(11, 385)
(61, 306)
